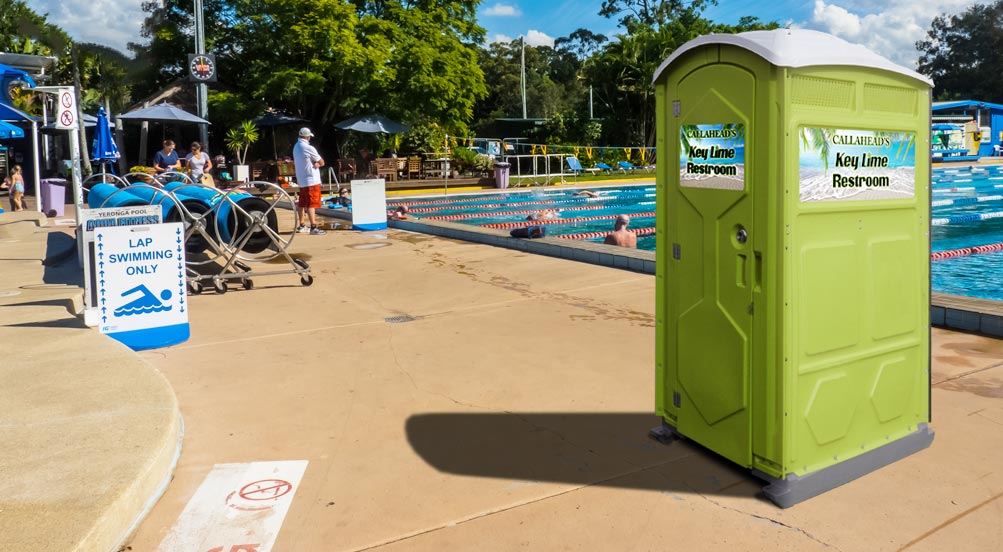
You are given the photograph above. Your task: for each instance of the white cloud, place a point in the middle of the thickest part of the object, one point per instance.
(504, 39)
(502, 10)
(112, 23)
(892, 30)
(537, 38)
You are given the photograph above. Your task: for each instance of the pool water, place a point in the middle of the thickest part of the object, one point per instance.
(578, 217)
(966, 203)
(966, 212)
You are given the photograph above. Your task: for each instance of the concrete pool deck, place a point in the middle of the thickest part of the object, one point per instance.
(450, 395)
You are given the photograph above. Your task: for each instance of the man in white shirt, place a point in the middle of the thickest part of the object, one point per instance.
(308, 163)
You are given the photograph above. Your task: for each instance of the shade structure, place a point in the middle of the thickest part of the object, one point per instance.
(8, 131)
(104, 148)
(165, 113)
(273, 119)
(372, 123)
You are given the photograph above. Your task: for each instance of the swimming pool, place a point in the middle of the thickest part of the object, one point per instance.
(967, 231)
(966, 221)
(579, 217)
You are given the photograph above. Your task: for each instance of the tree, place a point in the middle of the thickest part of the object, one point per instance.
(327, 60)
(963, 54)
(621, 72)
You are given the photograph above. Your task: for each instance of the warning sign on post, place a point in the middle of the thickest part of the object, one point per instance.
(141, 284)
(66, 109)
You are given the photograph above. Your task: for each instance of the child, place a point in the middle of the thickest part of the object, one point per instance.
(16, 188)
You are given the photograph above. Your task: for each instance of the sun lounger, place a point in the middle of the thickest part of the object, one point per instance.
(576, 166)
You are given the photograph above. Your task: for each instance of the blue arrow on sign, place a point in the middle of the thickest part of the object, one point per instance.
(100, 236)
(101, 264)
(101, 273)
(103, 300)
(100, 246)
(102, 282)
(102, 291)
(104, 318)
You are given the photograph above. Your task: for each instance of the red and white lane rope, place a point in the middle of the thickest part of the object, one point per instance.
(951, 253)
(461, 216)
(559, 221)
(590, 235)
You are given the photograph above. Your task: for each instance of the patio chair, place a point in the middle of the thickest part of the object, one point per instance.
(346, 170)
(604, 167)
(576, 167)
(386, 168)
(414, 167)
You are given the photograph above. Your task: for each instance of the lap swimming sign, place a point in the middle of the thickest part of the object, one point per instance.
(141, 284)
(712, 156)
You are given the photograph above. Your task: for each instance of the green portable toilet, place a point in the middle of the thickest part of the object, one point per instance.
(793, 180)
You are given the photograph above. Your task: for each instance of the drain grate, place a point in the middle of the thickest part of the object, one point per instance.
(400, 319)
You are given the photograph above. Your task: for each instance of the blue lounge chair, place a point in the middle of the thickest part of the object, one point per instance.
(576, 167)
(604, 167)
(627, 166)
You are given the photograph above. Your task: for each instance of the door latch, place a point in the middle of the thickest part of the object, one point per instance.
(676, 251)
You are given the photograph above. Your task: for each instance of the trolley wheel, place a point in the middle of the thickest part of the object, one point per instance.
(195, 288)
(220, 286)
(306, 280)
(248, 283)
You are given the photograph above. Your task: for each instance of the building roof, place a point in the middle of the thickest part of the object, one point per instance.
(965, 104)
(797, 48)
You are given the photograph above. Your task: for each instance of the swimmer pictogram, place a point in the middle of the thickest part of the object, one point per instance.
(145, 304)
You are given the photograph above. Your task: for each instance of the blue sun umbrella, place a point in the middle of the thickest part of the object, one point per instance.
(104, 148)
(8, 131)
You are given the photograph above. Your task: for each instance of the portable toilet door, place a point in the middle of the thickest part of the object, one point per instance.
(710, 216)
(792, 323)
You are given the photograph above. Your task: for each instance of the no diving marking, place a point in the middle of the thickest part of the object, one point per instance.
(266, 489)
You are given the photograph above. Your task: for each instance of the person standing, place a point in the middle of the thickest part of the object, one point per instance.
(16, 188)
(620, 235)
(308, 163)
(198, 163)
(166, 159)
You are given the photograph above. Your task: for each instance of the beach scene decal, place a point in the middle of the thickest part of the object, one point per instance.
(712, 156)
(848, 165)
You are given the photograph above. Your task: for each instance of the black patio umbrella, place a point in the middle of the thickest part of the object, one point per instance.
(273, 119)
(372, 123)
(164, 113)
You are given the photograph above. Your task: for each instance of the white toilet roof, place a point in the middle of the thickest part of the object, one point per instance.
(797, 48)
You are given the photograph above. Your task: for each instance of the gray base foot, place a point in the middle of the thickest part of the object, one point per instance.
(664, 433)
(794, 489)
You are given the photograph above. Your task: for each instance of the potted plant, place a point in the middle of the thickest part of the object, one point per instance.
(239, 140)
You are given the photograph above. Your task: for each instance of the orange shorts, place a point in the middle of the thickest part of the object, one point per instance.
(310, 197)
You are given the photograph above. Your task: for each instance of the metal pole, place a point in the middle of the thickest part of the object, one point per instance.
(201, 89)
(34, 154)
(590, 103)
(523, 77)
(78, 195)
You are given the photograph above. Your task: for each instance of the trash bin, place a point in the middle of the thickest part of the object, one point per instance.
(53, 192)
(501, 174)
(792, 256)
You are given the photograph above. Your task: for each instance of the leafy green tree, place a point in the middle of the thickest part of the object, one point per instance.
(621, 73)
(963, 53)
(327, 60)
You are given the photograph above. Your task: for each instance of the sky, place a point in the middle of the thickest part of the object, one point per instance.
(888, 27)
